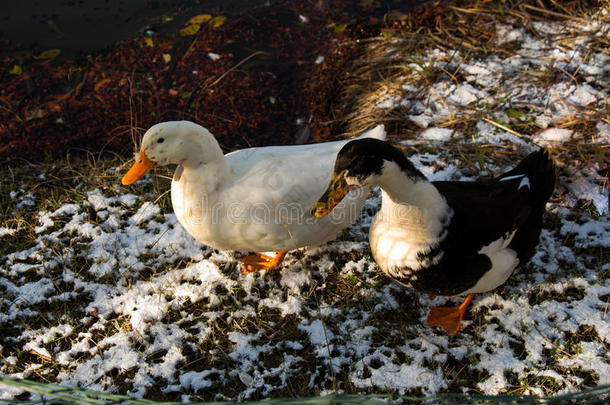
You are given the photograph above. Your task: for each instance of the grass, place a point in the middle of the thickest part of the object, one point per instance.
(370, 77)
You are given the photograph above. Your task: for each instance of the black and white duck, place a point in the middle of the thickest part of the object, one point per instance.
(448, 238)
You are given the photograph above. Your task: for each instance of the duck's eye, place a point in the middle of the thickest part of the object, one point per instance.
(160, 140)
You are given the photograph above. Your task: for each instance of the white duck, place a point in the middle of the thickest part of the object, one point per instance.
(254, 199)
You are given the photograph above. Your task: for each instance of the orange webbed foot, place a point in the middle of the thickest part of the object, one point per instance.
(448, 318)
(259, 261)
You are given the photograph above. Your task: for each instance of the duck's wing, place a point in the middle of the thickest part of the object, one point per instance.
(536, 169)
(485, 211)
(486, 216)
(514, 201)
(314, 161)
(284, 182)
(496, 223)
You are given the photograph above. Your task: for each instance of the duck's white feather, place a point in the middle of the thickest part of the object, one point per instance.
(503, 262)
(409, 223)
(258, 199)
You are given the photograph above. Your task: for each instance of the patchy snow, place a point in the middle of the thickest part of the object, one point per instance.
(146, 296)
(465, 94)
(389, 101)
(553, 135)
(588, 185)
(317, 333)
(436, 134)
(506, 83)
(591, 232)
(6, 231)
(24, 199)
(603, 133)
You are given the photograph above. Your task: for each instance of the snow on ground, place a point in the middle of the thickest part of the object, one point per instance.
(509, 86)
(115, 296)
(147, 302)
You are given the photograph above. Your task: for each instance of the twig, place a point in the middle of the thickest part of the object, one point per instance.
(551, 343)
(568, 74)
(504, 127)
(42, 356)
(190, 48)
(241, 62)
(161, 196)
(553, 13)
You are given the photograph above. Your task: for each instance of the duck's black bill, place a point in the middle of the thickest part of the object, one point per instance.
(336, 191)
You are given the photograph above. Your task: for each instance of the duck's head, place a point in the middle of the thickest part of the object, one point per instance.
(362, 162)
(172, 142)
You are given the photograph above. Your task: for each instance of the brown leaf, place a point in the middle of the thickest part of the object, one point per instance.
(49, 54)
(217, 21)
(189, 30)
(99, 84)
(199, 19)
(339, 28)
(16, 70)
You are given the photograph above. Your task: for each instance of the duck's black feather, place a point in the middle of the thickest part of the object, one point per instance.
(483, 212)
(365, 157)
(540, 170)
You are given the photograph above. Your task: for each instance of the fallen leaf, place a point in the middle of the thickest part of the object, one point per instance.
(16, 70)
(189, 30)
(387, 34)
(199, 19)
(149, 41)
(339, 28)
(167, 57)
(217, 21)
(99, 84)
(35, 114)
(49, 54)
(54, 106)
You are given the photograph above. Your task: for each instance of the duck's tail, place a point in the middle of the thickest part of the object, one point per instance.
(378, 133)
(537, 171)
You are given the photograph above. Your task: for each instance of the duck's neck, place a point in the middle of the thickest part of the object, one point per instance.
(203, 163)
(409, 198)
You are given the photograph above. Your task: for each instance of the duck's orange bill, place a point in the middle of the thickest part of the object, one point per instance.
(141, 166)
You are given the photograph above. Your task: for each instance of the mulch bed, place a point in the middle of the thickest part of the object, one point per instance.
(251, 96)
